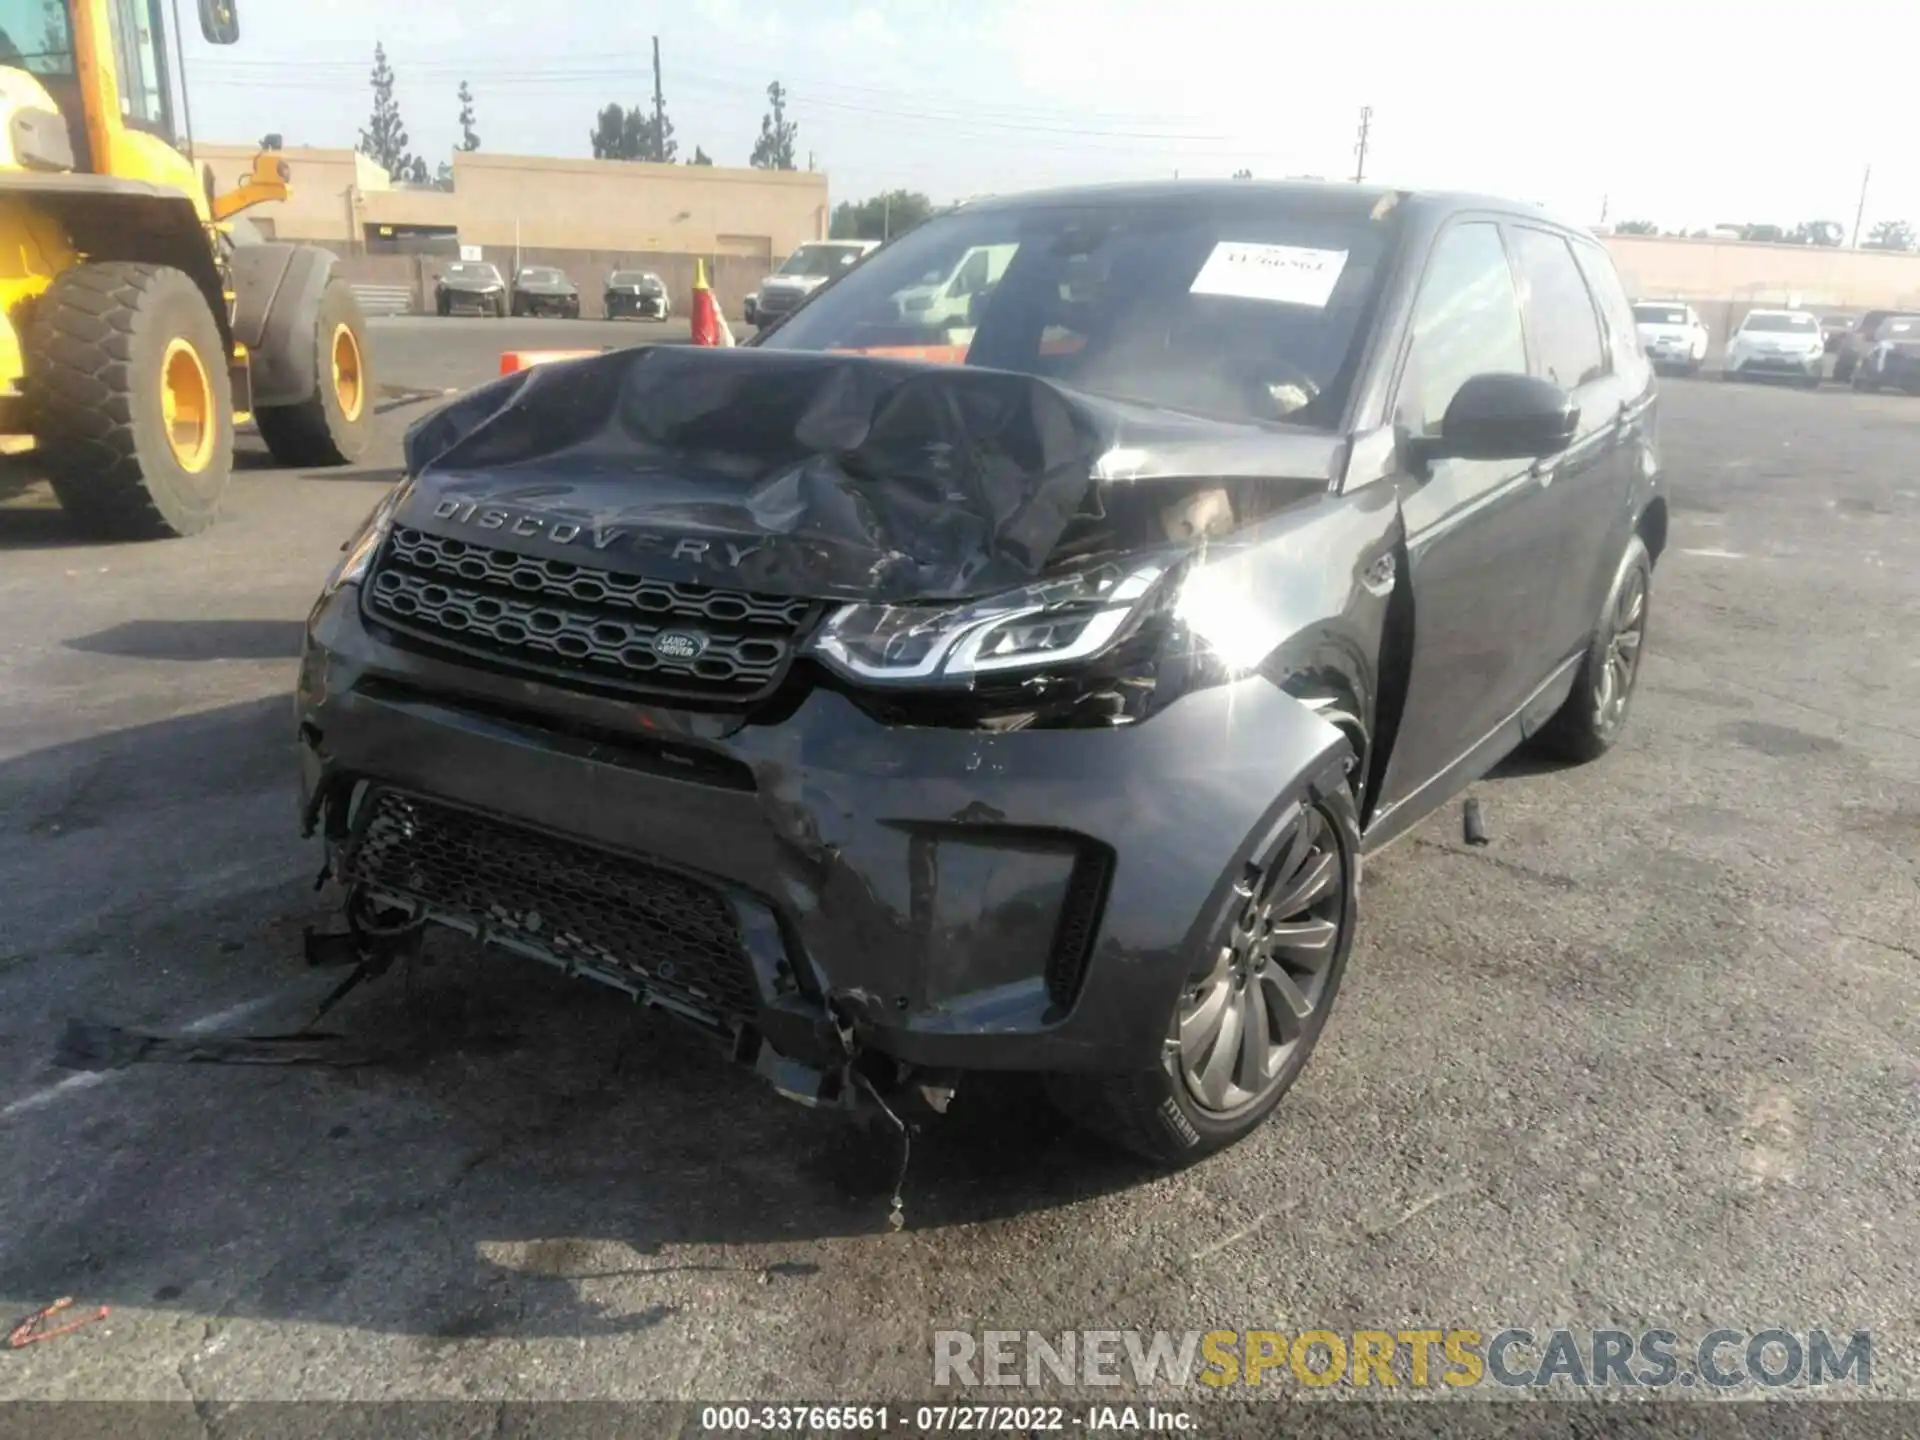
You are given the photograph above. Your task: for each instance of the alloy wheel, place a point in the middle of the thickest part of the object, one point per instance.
(1240, 1023)
(1613, 687)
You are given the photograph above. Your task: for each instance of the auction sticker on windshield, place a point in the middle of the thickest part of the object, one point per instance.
(1283, 274)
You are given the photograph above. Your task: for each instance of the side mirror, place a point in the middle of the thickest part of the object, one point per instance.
(1505, 417)
(219, 25)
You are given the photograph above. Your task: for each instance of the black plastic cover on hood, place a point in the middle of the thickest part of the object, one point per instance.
(805, 473)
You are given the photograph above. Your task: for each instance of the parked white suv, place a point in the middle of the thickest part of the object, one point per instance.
(1672, 334)
(805, 271)
(1786, 344)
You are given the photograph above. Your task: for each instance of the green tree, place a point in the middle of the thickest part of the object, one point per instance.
(1889, 235)
(1818, 232)
(384, 141)
(469, 137)
(1243, 174)
(1636, 227)
(881, 217)
(774, 149)
(626, 132)
(700, 157)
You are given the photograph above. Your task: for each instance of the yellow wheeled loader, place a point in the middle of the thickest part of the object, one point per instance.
(134, 331)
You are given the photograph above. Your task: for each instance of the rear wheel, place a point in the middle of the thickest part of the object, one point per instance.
(131, 404)
(1244, 1026)
(1586, 727)
(331, 426)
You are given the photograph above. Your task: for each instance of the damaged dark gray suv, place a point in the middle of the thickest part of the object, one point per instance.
(1016, 689)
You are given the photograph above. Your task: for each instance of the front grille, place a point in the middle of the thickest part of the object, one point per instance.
(779, 302)
(652, 932)
(689, 642)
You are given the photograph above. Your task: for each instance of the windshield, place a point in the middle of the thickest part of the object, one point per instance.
(1902, 327)
(1778, 322)
(540, 277)
(34, 36)
(472, 272)
(632, 277)
(1243, 313)
(1660, 314)
(828, 260)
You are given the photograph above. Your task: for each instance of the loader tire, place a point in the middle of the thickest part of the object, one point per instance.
(130, 401)
(331, 426)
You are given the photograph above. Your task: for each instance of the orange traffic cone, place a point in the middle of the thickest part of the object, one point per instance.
(708, 324)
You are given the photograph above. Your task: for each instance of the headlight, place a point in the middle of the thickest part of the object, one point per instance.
(1046, 624)
(360, 550)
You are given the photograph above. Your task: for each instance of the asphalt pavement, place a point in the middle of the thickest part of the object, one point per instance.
(1648, 1057)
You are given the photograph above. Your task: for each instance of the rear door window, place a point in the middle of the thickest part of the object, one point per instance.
(1616, 313)
(1566, 330)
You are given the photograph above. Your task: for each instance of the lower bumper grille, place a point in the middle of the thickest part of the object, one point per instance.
(653, 932)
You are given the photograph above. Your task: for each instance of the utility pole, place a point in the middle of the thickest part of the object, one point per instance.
(1366, 124)
(1860, 213)
(886, 217)
(659, 108)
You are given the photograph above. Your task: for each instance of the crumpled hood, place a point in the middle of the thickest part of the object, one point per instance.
(828, 475)
(469, 282)
(546, 287)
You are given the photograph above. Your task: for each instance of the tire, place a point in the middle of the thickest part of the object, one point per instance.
(1161, 1114)
(331, 426)
(1590, 721)
(103, 343)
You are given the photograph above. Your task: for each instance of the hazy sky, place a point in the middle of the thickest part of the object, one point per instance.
(1686, 112)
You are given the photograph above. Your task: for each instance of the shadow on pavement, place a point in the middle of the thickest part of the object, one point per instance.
(35, 527)
(518, 1134)
(196, 640)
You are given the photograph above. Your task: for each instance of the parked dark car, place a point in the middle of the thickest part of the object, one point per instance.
(470, 285)
(639, 293)
(892, 719)
(1894, 360)
(542, 290)
(1860, 340)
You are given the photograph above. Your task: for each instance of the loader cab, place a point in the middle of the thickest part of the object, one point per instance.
(133, 89)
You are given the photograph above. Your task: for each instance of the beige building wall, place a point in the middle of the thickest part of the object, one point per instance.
(1746, 275)
(598, 205)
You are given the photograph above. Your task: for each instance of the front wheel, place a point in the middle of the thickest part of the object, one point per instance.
(130, 400)
(1245, 1024)
(1590, 721)
(332, 425)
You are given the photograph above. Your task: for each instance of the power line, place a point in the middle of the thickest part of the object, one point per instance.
(232, 72)
(1366, 124)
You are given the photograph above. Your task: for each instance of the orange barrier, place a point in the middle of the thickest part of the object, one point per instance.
(513, 360)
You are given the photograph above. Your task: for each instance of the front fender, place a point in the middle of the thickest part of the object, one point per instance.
(277, 289)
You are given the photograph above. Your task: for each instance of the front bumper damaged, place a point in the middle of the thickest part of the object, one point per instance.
(813, 890)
